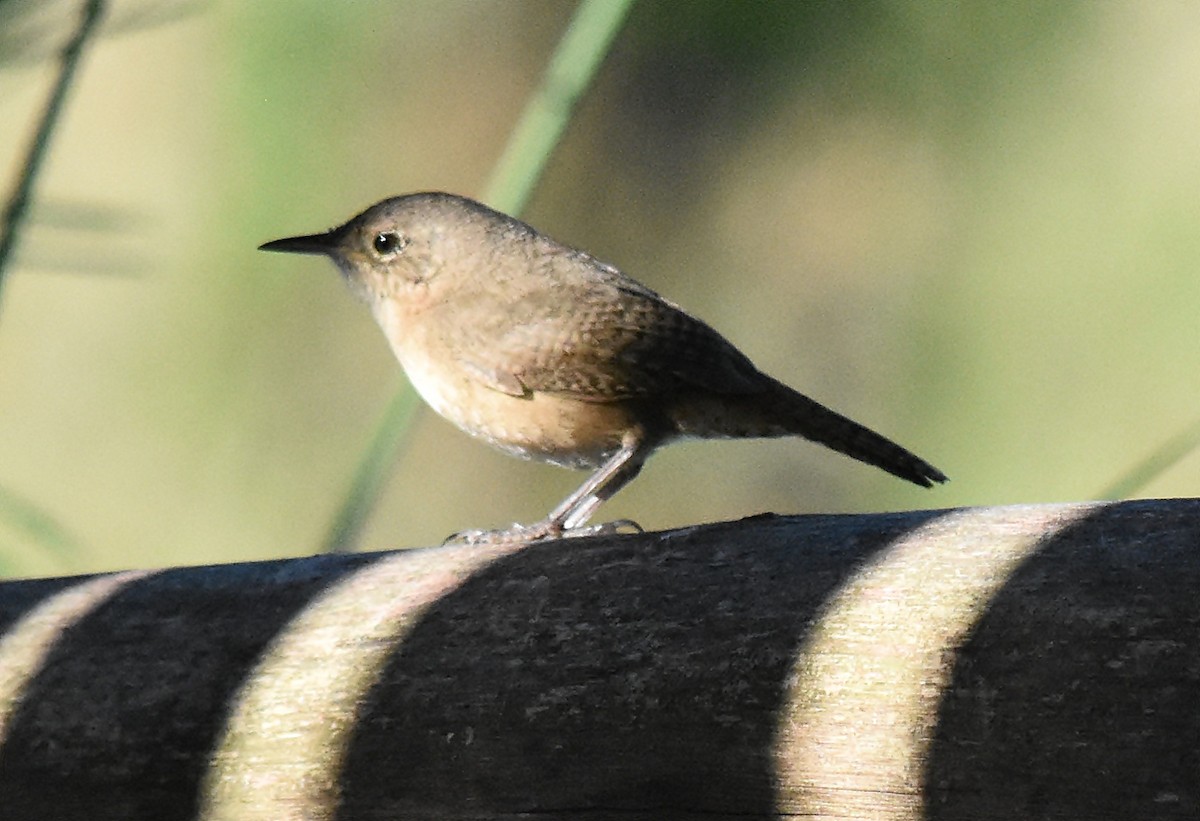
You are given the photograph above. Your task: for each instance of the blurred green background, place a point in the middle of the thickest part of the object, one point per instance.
(971, 226)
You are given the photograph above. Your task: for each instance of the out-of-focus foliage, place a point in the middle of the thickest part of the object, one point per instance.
(33, 31)
(971, 226)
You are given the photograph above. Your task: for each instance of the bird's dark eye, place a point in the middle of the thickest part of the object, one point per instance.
(388, 242)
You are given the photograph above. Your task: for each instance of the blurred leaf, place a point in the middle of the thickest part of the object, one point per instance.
(35, 30)
(81, 261)
(32, 30)
(1155, 464)
(83, 238)
(76, 215)
(26, 518)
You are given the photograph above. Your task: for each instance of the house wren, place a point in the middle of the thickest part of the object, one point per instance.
(548, 353)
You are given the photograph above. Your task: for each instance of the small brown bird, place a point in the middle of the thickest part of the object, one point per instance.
(545, 352)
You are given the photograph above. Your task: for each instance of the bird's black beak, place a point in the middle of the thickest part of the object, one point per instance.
(311, 244)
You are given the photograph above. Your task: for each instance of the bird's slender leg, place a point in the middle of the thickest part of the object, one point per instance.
(620, 469)
(568, 518)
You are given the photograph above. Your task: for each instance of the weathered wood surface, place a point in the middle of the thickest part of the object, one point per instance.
(1025, 662)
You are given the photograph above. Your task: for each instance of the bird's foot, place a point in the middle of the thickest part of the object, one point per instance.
(605, 529)
(541, 531)
(512, 533)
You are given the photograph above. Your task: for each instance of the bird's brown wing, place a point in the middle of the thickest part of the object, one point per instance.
(605, 340)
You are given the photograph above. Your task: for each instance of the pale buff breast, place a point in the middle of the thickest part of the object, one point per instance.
(548, 427)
